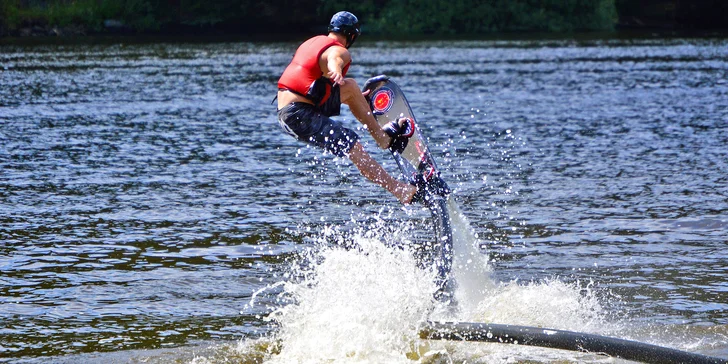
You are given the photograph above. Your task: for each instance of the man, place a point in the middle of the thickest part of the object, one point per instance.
(313, 87)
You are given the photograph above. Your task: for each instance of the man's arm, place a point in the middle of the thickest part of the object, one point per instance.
(332, 64)
(333, 61)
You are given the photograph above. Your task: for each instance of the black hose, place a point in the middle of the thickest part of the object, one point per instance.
(560, 339)
(443, 247)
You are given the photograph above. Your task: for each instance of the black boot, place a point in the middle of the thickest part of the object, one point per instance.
(429, 189)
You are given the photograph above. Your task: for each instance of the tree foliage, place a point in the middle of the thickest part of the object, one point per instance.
(476, 17)
(385, 17)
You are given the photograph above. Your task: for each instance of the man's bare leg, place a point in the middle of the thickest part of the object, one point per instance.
(369, 168)
(374, 172)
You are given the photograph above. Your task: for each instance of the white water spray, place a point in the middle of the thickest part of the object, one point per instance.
(367, 303)
(470, 265)
(356, 305)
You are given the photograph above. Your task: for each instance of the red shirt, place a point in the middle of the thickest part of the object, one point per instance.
(303, 75)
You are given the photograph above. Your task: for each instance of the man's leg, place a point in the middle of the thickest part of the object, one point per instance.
(369, 168)
(374, 172)
(352, 97)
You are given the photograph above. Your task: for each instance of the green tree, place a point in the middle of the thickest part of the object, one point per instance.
(476, 17)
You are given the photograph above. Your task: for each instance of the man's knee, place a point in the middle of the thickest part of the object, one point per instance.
(349, 90)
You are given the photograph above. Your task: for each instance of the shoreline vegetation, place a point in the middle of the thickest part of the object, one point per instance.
(293, 18)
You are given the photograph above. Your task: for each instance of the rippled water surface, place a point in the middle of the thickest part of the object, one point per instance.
(147, 194)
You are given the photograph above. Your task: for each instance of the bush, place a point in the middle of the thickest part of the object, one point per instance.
(8, 15)
(476, 17)
(407, 17)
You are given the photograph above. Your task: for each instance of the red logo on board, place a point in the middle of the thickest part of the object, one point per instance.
(382, 101)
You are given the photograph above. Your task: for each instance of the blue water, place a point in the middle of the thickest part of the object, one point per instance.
(147, 192)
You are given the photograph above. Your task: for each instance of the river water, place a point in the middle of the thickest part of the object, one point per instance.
(152, 211)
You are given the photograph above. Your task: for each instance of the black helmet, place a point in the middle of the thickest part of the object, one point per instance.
(347, 24)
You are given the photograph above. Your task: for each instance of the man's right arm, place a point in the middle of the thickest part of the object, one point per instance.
(333, 61)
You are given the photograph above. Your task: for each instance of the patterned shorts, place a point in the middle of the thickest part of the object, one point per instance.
(307, 123)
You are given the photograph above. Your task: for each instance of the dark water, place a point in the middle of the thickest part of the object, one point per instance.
(147, 192)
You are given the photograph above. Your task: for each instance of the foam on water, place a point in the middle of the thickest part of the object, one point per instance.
(366, 303)
(356, 304)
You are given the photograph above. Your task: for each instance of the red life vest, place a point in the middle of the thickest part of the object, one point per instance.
(303, 75)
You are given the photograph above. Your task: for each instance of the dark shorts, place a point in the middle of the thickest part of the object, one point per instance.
(312, 125)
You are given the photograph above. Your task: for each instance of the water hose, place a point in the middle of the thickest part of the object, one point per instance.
(560, 339)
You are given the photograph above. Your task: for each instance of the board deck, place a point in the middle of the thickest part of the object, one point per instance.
(387, 102)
